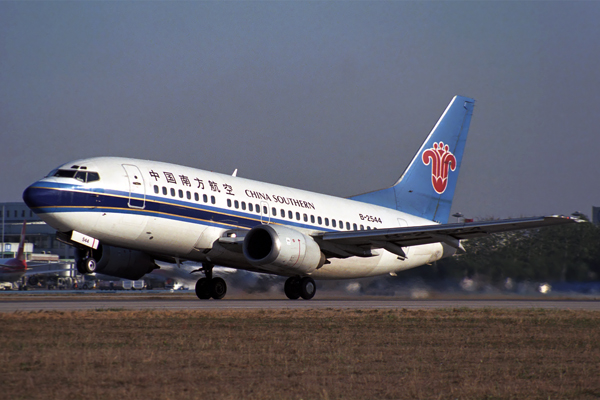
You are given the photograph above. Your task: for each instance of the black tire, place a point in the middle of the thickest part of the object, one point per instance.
(87, 266)
(80, 266)
(218, 288)
(203, 289)
(307, 288)
(292, 288)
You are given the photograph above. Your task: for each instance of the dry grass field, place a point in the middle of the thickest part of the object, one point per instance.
(301, 354)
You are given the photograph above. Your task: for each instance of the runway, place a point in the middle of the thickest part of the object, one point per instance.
(36, 302)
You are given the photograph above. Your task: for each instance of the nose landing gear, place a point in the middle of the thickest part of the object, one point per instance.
(86, 265)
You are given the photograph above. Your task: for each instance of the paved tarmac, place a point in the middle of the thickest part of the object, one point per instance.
(164, 302)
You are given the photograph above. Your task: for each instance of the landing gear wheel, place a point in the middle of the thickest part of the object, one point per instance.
(307, 288)
(79, 266)
(203, 289)
(87, 266)
(218, 288)
(292, 288)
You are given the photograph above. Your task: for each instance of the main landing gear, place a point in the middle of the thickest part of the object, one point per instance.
(210, 287)
(296, 287)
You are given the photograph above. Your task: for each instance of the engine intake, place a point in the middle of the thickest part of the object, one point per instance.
(282, 250)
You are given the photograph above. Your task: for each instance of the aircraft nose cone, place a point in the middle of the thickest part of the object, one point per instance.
(33, 197)
(27, 197)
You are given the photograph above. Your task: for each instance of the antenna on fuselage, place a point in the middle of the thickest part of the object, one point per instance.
(234, 173)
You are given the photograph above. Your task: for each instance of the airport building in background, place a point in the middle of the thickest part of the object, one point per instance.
(38, 233)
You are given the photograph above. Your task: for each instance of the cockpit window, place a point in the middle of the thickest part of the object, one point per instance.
(83, 176)
(93, 176)
(65, 173)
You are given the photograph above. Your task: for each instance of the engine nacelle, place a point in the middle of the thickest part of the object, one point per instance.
(123, 263)
(282, 250)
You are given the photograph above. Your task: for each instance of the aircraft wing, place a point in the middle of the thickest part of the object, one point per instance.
(359, 243)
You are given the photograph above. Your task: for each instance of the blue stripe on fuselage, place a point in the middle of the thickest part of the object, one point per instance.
(58, 198)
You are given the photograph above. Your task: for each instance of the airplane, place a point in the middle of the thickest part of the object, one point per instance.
(123, 215)
(13, 269)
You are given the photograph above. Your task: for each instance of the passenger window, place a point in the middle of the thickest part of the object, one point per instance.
(305, 218)
(265, 210)
(274, 211)
(243, 205)
(250, 207)
(290, 215)
(181, 193)
(355, 227)
(205, 198)
(257, 207)
(312, 219)
(164, 190)
(196, 197)
(282, 213)
(333, 223)
(189, 195)
(236, 204)
(298, 216)
(326, 221)
(368, 228)
(228, 202)
(362, 228)
(172, 192)
(319, 220)
(213, 200)
(348, 225)
(156, 190)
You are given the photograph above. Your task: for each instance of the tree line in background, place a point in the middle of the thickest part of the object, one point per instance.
(569, 253)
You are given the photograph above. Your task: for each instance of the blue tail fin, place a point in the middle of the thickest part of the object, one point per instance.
(426, 188)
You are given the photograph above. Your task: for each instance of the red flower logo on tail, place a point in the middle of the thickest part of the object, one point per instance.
(442, 160)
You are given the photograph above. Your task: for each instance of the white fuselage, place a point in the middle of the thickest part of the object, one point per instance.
(177, 211)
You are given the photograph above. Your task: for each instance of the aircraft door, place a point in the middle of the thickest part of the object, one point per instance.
(265, 217)
(137, 188)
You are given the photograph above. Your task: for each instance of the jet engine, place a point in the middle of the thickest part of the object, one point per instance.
(282, 250)
(122, 263)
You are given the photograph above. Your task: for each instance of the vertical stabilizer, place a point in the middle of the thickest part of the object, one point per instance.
(21, 250)
(426, 188)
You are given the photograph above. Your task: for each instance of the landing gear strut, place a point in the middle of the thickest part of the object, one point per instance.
(296, 287)
(210, 287)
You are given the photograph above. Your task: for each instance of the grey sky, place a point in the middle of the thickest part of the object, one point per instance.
(334, 97)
